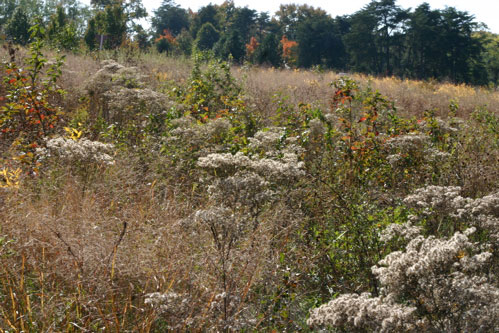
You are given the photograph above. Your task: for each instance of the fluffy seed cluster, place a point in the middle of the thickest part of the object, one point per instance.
(413, 145)
(120, 92)
(82, 150)
(288, 167)
(273, 143)
(438, 202)
(123, 101)
(435, 284)
(434, 199)
(240, 188)
(204, 137)
(243, 189)
(234, 305)
(408, 142)
(406, 231)
(451, 126)
(316, 128)
(171, 305)
(352, 311)
(114, 74)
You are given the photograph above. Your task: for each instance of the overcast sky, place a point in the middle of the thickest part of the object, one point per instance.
(486, 11)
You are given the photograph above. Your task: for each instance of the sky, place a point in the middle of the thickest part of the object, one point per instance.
(486, 11)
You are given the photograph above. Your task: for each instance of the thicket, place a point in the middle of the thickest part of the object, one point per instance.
(380, 39)
(146, 198)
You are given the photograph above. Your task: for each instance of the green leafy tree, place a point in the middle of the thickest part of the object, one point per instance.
(61, 31)
(142, 37)
(7, 8)
(230, 45)
(184, 42)
(206, 37)
(490, 43)
(76, 13)
(114, 20)
(169, 16)
(207, 14)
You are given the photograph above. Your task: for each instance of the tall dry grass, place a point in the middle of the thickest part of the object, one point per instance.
(82, 248)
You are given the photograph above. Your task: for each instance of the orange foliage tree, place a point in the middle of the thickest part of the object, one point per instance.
(252, 46)
(165, 42)
(288, 50)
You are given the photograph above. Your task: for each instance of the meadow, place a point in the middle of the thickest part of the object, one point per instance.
(144, 193)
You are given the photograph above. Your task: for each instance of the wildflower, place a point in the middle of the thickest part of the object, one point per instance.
(82, 150)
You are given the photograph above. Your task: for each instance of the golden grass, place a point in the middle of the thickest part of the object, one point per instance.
(263, 86)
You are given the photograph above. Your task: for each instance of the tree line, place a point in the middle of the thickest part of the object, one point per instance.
(381, 38)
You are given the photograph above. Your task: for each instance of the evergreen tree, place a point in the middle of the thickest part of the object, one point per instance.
(61, 32)
(490, 55)
(319, 43)
(424, 51)
(116, 28)
(461, 48)
(390, 21)
(269, 51)
(360, 42)
(18, 27)
(374, 36)
(243, 22)
(91, 34)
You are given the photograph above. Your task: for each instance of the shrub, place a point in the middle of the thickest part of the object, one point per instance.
(434, 284)
(31, 110)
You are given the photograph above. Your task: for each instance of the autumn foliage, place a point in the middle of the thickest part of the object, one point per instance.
(288, 49)
(252, 46)
(30, 109)
(166, 41)
(167, 35)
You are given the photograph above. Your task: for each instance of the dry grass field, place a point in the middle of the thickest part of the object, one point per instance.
(190, 196)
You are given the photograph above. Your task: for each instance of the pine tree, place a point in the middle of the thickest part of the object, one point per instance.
(18, 27)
